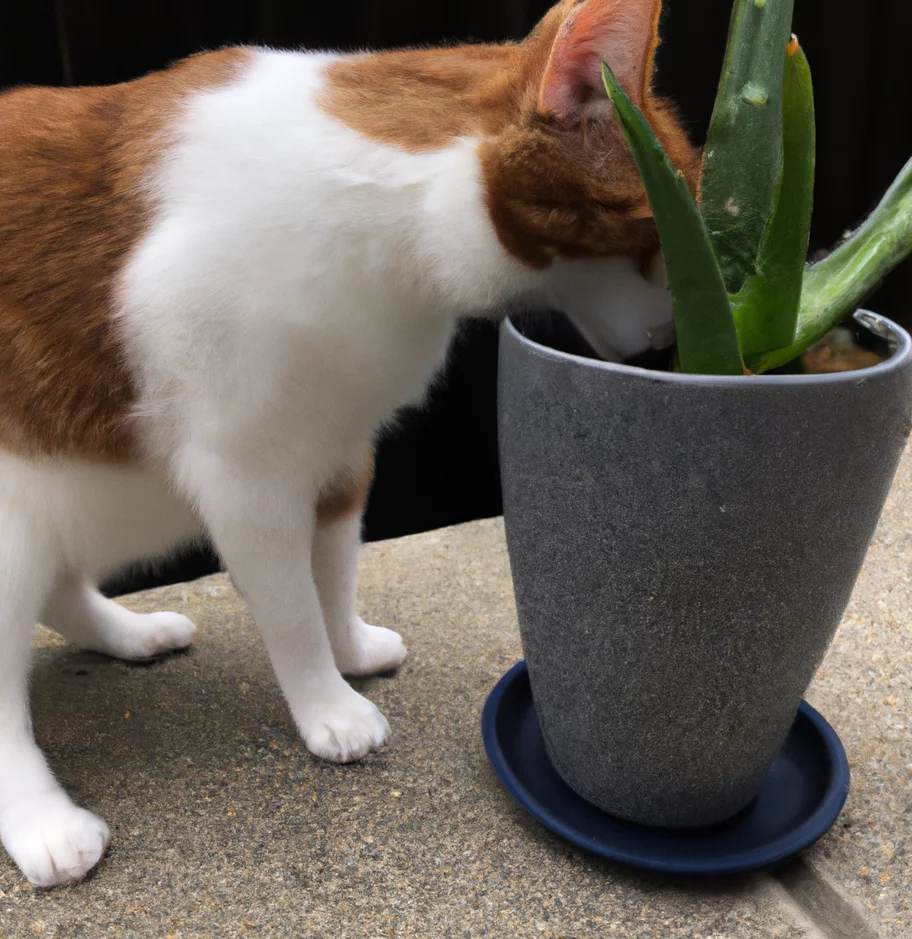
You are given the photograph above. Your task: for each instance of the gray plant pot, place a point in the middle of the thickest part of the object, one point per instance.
(683, 549)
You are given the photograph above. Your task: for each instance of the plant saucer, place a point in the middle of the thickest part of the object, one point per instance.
(798, 803)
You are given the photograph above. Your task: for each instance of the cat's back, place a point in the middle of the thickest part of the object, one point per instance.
(74, 162)
(75, 168)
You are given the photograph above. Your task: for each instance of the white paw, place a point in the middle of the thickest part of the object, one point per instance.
(55, 842)
(344, 729)
(166, 632)
(146, 636)
(375, 650)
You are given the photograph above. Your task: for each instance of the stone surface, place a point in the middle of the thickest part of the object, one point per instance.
(224, 826)
(865, 689)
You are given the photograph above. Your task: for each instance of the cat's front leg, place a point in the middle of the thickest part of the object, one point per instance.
(358, 647)
(263, 526)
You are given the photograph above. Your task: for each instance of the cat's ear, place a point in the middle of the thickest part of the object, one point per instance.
(623, 33)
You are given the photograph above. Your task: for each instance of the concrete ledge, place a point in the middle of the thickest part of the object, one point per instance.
(225, 827)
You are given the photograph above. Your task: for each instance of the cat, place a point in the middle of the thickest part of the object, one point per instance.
(218, 281)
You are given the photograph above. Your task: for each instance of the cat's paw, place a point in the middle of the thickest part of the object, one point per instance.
(55, 842)
(166, 632)
(372, 651)
(149, 636)
(344, 729)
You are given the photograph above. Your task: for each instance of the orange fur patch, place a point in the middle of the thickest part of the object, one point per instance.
(72, 166)
(549, 198)
(421, 100)
(347, 494)
(551, 190)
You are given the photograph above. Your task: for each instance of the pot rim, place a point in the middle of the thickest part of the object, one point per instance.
(900, 357)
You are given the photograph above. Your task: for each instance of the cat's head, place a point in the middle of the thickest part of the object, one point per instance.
(561, 185)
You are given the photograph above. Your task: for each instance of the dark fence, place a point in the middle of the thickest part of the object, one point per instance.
(440, 466)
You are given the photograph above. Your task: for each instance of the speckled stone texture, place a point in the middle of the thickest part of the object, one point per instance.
(683, 548)
(224, 827)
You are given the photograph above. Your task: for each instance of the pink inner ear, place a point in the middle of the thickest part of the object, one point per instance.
(619, 32)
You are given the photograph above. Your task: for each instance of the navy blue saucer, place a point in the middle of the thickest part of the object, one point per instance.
(799, 802)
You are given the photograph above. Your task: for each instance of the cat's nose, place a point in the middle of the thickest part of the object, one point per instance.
(621, 310)
(662, 336)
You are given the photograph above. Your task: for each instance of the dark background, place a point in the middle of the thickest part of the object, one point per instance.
(440, 466)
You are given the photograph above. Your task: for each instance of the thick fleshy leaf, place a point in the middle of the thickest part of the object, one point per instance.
(766, 309)
(837, 285)
(742, 162)
(707, 340)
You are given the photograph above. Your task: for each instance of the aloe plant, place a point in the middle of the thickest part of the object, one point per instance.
(740, 190)
(744, 298)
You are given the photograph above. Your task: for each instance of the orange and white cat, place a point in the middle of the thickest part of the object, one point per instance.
(218, 281)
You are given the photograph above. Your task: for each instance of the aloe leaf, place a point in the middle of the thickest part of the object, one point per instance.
(766, 309)
(707, 340)
(742, 162)
(836, 286)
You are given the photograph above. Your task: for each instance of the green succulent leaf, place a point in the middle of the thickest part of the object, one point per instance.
(707, 340)
(766, 308)
(742, 162)
(837, 285)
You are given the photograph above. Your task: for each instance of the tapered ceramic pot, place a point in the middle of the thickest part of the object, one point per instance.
(683, 549)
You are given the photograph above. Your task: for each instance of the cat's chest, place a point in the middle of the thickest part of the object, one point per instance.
(330, 387)
(369, 365)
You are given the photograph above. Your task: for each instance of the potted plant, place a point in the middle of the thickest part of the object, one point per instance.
(684, 542)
